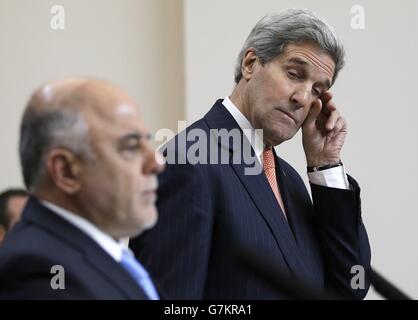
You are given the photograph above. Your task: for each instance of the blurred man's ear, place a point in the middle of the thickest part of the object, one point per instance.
(64, 170)
(248, 63)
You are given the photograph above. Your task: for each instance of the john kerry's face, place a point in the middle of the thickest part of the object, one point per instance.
(282, 91)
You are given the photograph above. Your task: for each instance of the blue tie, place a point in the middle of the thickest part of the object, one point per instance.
(138, 272)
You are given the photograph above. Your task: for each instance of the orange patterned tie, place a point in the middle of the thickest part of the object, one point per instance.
(270, 171)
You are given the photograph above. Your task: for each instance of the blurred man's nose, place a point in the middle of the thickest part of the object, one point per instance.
(154, 162)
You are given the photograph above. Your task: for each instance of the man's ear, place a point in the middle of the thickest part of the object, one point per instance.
(64, 169)
(249, 62)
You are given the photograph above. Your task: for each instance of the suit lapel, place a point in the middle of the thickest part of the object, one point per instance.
(260, 192)
(296, 220)
(297, 212)
(92, 252)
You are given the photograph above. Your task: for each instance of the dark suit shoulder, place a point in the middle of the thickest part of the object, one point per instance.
(27, 237)
(30, 275)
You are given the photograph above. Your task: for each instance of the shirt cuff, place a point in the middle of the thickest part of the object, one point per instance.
(332, 178)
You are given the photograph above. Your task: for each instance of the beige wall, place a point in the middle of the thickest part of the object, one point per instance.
(137, 44)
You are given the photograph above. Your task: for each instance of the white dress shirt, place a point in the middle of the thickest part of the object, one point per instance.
(333, 178)
(107, 243)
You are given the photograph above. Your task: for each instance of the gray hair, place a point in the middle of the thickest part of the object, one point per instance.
(272, 33)
(42, 131)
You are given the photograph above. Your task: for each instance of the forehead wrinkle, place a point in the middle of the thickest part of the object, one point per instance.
(315, 60)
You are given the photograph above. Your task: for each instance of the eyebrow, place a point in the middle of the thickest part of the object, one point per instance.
(298, 61)
(135, 136)
(304, 63)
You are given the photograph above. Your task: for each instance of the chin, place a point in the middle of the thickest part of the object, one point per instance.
(275, 140)
(150, 218)
(150, 224)
(277, 137)
(143, 219)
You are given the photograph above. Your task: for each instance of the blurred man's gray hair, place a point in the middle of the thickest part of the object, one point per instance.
(272, 33)
(43, 130)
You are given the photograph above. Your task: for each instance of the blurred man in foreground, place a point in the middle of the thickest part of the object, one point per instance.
(91, 173)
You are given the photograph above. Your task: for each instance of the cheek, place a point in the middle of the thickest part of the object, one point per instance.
(266, 104)
(274, 92)
(112, 177)
(303, 114)
(131, 176)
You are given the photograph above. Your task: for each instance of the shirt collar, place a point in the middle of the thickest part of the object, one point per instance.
(257, 144)
(107, 243)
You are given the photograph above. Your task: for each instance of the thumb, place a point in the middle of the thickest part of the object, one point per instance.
(313, 113)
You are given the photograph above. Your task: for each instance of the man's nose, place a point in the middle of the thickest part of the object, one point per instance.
(154, 162)
(301, 96)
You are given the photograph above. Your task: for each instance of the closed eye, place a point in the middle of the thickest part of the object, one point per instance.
(133, 147)
(293, 75)
(132, 142)
(316, 92)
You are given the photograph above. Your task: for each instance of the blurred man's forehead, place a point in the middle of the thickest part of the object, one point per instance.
(116, 122)
(126, 109)
(113, 111)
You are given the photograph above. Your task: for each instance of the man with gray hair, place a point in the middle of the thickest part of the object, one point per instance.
(91, 172)
(283, 78)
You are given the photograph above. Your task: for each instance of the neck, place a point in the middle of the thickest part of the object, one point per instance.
(58, 199)
(69, 204)
(240, 100)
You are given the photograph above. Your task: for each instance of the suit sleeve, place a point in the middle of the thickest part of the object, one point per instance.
(176, 251)
(343, 239)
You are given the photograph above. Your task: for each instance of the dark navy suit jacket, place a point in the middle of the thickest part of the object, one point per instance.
(41, 240)
(203, 206)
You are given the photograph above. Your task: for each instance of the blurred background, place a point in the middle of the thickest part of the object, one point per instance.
(176, 57)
